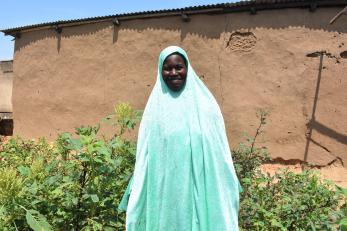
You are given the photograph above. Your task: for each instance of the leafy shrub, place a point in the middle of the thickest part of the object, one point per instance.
(75, 183)
(285, 201)
(289, 201)
(343, 212)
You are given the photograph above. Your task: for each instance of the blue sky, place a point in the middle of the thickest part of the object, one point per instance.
(16, 13)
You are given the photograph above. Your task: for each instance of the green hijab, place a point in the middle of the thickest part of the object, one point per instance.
(184, 178)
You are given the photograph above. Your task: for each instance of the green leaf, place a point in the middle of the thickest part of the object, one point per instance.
(342, 190)
(57, 192)
(75, 144)
(94, 198)
(312, 225)
(24, 170)
(74, 200)
(246, 181)
(84, 159)
(52, 179)
(33, 188)
(275, 223)
(343, 224)
(2, 211)
(37, 221)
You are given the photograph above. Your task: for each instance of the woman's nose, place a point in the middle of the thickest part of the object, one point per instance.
(173, 71)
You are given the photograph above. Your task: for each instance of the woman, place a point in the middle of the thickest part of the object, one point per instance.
(184, 177)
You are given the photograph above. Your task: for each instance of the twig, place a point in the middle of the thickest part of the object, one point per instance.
(82, 184)
(262, 118)
(344, 10)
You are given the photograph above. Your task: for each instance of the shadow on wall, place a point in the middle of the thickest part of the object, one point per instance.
(313, 123)
(207, 26)
(212, 27)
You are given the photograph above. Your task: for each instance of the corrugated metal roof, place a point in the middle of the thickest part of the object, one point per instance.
(252, 6)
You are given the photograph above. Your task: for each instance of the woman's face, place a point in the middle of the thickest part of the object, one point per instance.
(174, 72)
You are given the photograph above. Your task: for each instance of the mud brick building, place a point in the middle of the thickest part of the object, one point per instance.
(281, 55)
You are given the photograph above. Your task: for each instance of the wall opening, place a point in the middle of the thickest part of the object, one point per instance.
(6, 127)
(6, 124)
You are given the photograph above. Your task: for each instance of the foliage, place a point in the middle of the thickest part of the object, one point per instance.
(124, 117)
(77, 182)
(284, 201)
(73, 184)
(343, 221)
(288, 201)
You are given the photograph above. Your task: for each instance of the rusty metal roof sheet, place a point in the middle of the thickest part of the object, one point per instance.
(252, 6)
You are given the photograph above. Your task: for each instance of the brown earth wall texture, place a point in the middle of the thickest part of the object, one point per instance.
(6, 81)
(249, 62)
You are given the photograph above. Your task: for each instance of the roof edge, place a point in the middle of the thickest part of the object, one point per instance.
(242, 6)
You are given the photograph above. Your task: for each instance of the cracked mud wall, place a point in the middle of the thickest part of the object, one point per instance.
(247, 61)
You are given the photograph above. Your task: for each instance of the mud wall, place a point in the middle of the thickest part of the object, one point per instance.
(249, 62)
(6, 80)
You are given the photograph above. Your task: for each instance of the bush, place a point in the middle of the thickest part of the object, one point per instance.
(285, 201)
(75, 183)
(289, 201)
(343, 212)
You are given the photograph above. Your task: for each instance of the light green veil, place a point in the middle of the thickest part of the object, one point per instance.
(184, 178)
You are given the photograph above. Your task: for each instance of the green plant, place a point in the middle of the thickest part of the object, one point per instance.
(124, 117)
(343, 212)
(247, 157)
(285, 201)
(72, 184)
(289, 201)
(77, 182)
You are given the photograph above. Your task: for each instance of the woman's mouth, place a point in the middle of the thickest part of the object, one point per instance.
(176, 81)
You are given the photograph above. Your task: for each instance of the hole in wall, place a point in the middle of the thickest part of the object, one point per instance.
(343, 54)
(241, 41)
(6, 127)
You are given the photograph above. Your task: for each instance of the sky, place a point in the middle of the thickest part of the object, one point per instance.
(15, 13)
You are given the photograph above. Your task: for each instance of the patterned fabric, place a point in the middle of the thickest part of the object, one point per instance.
(184, 177)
